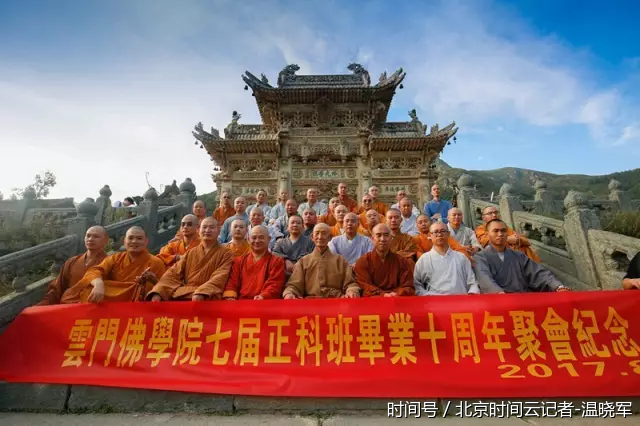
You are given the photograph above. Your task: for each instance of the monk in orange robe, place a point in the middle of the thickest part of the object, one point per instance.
(74, 269)
(238, 245)
(514, 241)
(370, 219)
(199, 210)
(171, 253)
(424, 242)
(225, 210)
(257, 275)
(343, 196)
(339, 213)
(380, 207)
(382, 272)
(122, 277)
(202, 272)
(401, 243)
(329, 218)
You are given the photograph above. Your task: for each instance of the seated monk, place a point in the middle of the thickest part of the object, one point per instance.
(202, 272)
(339, 213)
(199, 210)
(257, 275)
(329, 217)
(345, 200)
(122, 277)
(424, 243)
(372, 218)
(379, 206)
(309, 221)
(400, 243)
(226, 210)
(502, 270)
(171, 253)
(294, 246)
(321, 273)
(351, 245)
(382, 272)
(238, 245)
(281, 223)
(514, 241)
(367, 204)
(74, 269)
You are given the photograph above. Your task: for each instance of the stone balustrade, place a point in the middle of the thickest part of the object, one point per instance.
(23, 267)
(576, 248)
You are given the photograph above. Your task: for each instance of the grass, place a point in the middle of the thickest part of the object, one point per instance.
(625, 223)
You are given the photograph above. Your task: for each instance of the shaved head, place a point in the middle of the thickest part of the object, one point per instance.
(136, 230)
(381, 227)
(322, 226)
(135, 240)
(97, 230)
(190, 217)
(95, 238)
(260, 229)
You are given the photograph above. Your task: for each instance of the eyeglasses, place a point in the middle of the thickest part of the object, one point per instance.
(441, 232)
(186, 224)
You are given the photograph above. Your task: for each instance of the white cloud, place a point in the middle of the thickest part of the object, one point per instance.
(480, 158)
(629, 134)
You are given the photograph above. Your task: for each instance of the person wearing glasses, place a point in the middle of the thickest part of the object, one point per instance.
(442, 270)
(188, 239)
(514, 241)
(367, 204)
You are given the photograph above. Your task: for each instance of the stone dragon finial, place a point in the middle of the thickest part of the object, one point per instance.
(416, 123)
(264, 79)
(359, 70)
(288, 71)
(231, 127)
(382, 77)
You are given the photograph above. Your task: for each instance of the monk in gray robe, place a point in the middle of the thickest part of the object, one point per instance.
(293, 247)
(500, 269)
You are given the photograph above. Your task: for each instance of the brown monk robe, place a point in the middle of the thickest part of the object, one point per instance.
(321, 273)
(351, 205)
(382, 272)
(400, 243)
(259, 274)
(423, 241)
(514, 240)
(339, 212)
(238, 245)
(225, 210)
(202, 272)
(171, 253)
(74, 269)
(379, 206)
(329, 218)
(122, 277)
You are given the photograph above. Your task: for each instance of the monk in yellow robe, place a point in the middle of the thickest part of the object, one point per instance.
(382, 272)
(514, 241)
(122, 277)
(424, 242)
(74, 269)
(339, 212)
(225, 210)
(344, 199)
(401, 243)
(257, 275)
(321, 273)
(379, 206)
(329, 217)
(202, 272)
(171, 253)
(238, 245)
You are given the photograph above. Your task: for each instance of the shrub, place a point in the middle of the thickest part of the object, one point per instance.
(625, 223)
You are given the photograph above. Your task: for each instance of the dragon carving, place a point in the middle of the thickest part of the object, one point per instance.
(288, 71)
(359, 70)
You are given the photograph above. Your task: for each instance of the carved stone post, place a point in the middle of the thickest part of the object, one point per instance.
(284, 184)
(619, 196)
(543, 199)
(104, 205)
(187, 196)
(366, 181)
(508, 204)
(149, 209)
(424, 189)
(578, 219)
(466, 192)
(85, 218)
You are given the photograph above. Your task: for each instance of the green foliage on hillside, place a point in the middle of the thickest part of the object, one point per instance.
(625, 223)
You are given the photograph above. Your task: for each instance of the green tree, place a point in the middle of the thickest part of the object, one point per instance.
(41, 186)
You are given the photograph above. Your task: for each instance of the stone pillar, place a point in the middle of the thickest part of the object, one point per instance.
(508, 204)
(424, 189)
(623, 203)
(149, 209)
(187, 196)
(284, 183)
(543, 200)
(578, 219)
(104, 205)
(466, 192)
(365, 181)
(85, 218)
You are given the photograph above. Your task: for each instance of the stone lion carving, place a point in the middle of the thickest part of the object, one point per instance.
(359, 70)
(288, 71)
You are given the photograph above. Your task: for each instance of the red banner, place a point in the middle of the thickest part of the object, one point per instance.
(516, 345)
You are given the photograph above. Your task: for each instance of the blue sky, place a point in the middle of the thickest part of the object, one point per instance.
(106, 92)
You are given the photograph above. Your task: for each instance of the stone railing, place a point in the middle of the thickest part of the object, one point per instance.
(26, 268)
(576, 248)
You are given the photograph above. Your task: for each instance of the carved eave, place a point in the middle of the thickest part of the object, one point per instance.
(243, 147)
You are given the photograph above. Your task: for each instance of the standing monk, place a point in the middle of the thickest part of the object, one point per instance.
(201, 274)
(279, 209)
(294, 246)
(257, 275)
(239, 245)
(309, 220)
(312, 202)
(171, 253)
(514, 241)
(122, 277)
(321, 273)
(74, 269)
(329, 217)
(437, 208)
(367, 204)
(352, 206)
(339, 213)
(281, 223)
(261, 202)
(240, 206)
(226, 210)
(399, 196)
(382, 272)
(380, 207)
(400, 243)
